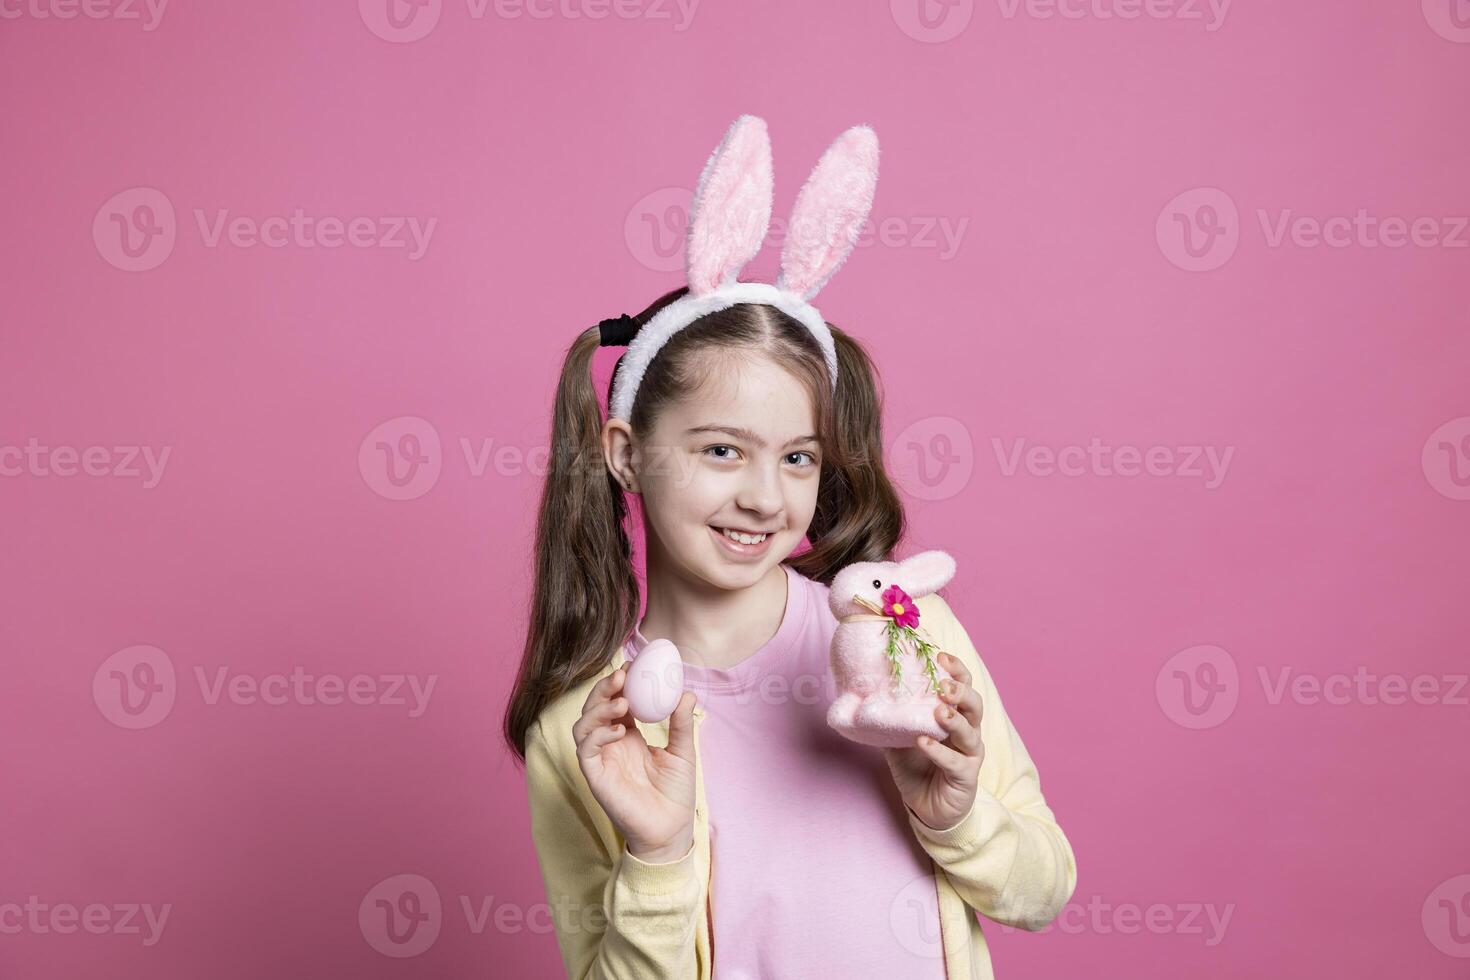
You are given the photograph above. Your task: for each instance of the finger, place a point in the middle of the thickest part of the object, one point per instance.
(962, 734)
(606, 688)
(590, 748)
(681, 727)
(599, 715)
(956, 669)
(601, 692)
(946, 758)
(965, 698)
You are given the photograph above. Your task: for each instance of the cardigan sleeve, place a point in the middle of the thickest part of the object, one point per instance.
(615, 916)
(1007, 857)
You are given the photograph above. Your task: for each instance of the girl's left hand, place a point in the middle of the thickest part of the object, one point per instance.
(938, 780)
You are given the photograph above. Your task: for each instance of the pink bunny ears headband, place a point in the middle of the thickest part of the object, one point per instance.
(728, 220)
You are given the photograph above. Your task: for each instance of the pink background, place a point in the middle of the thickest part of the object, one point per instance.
(546, 150)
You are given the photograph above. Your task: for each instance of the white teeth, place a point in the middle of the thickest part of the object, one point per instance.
(742, 538)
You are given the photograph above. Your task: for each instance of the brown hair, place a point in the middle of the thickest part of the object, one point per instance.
(586, 600)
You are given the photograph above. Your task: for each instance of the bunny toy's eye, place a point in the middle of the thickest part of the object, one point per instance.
(877, 584)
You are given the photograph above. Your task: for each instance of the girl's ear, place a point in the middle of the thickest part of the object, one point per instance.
(731, 210)
(829, 212)
(926, 573)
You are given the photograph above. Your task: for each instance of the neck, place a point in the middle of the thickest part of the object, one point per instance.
(711, 626)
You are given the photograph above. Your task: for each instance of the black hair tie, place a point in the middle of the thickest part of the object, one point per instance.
(618, 331)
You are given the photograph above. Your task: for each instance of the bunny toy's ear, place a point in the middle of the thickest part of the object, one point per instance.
(926, 573)
(731, 210)
(829, 212)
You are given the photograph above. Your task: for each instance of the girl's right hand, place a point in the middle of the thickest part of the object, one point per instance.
(647, 791)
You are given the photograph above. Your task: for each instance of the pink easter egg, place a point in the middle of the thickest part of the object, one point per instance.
(655, 681)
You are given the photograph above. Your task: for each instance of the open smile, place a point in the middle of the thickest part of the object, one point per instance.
(742, 545)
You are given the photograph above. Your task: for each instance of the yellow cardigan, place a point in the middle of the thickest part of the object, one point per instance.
(619, 917)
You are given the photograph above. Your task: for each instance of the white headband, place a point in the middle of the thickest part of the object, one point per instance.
(728, 220)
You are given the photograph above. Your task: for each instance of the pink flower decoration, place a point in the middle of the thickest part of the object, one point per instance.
(899, 607)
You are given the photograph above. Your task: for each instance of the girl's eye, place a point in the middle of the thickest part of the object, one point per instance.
(712, 449)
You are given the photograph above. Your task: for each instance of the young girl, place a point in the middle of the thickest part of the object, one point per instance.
(743, 838)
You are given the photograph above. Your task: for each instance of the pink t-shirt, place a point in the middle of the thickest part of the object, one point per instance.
(816, 870)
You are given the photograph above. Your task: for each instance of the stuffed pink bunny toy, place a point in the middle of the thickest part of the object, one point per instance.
(884, 663)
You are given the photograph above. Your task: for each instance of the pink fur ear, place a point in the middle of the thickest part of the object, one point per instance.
(926, 573)
(731, 210)
(829, 212)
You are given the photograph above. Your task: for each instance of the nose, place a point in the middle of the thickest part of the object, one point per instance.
(760, 490)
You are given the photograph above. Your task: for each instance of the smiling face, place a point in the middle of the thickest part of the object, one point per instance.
(740, 453)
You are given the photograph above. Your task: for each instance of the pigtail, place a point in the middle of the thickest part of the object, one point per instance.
(585, 598)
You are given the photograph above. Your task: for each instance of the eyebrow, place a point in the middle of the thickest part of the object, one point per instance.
(743, 433)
